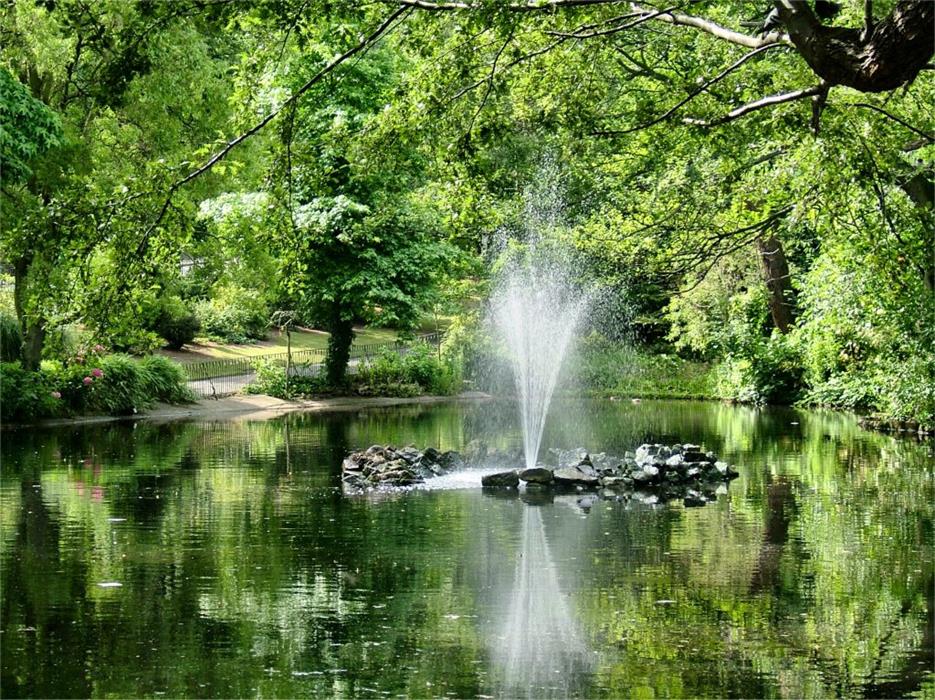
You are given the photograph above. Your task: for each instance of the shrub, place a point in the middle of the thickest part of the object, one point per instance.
(176, 323)
(164, 380)
(113, 385)
(762, 370)
(607, 367)
(234, 315)
(11, 340)
(391, 372)
(270, 380)
(26, 396)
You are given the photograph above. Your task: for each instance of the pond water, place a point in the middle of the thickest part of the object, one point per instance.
(220, 559)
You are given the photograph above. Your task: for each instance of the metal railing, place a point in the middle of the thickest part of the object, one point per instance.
(222, 377)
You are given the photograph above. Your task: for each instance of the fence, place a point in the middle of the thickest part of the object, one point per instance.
(214, 378)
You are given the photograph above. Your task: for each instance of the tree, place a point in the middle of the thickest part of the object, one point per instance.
(137, 88)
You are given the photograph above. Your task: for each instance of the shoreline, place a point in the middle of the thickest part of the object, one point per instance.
(250, 406)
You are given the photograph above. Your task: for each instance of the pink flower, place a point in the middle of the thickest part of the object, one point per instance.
(98, 348)
(87, 381)
(56, 394)
(97, 372)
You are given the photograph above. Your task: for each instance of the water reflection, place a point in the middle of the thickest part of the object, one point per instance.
(541, 652)
(245, 571)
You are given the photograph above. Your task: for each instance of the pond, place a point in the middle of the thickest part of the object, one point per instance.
(220, 559)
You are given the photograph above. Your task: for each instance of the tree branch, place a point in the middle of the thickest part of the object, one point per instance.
(720, 76)
(716, 30)
(924, 134)
(577, 34)
(757, 105)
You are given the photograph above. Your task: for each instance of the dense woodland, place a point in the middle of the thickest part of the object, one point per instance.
(750, 183)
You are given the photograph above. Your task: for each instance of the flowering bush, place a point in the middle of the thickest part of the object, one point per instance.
(115, 385)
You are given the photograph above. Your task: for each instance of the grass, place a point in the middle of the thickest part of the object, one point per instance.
(624, 372)
(302, 339)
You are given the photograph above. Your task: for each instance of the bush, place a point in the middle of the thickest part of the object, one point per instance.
(11, 340)
(112, 385)
(391, 373)
(164, 380)
(762, 370)
(176, 323)
(234, 315)
(26, 396)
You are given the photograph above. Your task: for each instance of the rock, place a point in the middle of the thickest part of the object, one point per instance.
(431, 455)
(501, 480)
(693, 502)
(675, 460)
(642, 476)
(450, 460)
(573, 476)
(616, 482)
(536, 475)
(644, 453)
(695, 456)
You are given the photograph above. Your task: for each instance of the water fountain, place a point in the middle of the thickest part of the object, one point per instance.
(536, 311)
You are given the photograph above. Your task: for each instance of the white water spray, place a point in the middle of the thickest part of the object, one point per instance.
(536, 312)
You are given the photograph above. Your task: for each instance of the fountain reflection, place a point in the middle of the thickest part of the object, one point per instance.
(541, 652)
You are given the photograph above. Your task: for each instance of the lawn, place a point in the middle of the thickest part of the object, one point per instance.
(302, 339)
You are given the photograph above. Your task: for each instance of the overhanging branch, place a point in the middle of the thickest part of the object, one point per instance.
(762, 103)
(714, 29)
(704, 86)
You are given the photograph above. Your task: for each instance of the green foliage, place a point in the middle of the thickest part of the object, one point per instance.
(25, 396)
(28, 128)
(270, 380)
(163, 380)
(176, 323)
(761, 370)
(113, 384)
(420, 369)
(233, 315)
(11, 339)
(605, 367)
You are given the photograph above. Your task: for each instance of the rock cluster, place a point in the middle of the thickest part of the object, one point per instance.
(666, 471)
(385, 465)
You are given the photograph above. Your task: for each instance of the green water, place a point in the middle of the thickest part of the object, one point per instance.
(244, 571)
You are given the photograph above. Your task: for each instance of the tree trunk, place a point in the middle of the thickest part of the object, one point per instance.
(921, 190)
(776, 275)
(339, 348)
(33, 330)
(883, 59)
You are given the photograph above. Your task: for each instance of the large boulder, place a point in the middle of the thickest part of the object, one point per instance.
(500, 480)
(536, 475)
(574, 477)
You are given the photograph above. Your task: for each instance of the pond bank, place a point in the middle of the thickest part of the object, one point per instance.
(256, 407)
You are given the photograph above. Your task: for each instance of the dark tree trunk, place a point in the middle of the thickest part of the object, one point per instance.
(339, 348)
(921, 190)
(33, 330)
(891, 54)
(776, 274)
